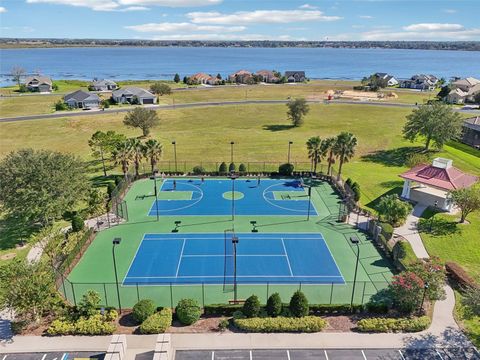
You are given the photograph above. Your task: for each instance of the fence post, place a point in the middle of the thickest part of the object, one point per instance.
(138, 294)
(203, 294)
(331, 294)
(171, 295)
(363, 293)
(105, 293)
(268, 288)
(300, 286)
(264, 166)
(73, 293)
(63, 285)
(184, 166)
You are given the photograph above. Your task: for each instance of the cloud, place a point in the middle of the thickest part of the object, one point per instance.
(308, 6)
(449, 11)
(433, 27)
(127, 5)
(260, 16)
(2, 10)
(226, 37)
(378, 35)
(182, 27)
(366, 17)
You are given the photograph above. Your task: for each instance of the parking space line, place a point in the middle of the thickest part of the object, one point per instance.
(440, 356)
(400, 352)
(4, 357)
(288, 354)
(44, 356)
(251, 356)
(326, 355)
(364, 357)
(213, 355)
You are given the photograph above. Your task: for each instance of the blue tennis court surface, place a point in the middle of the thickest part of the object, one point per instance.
(208, 258)
(213, 197)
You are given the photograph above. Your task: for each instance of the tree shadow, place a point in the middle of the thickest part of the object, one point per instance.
(278, 127)
(396, 190)
(437, 226)
(392, 157)
(15, 231)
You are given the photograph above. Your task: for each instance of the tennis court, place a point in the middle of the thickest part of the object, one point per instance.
(209, 258)
(215, 196)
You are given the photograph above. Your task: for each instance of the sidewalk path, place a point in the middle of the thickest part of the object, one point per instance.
(409, 231)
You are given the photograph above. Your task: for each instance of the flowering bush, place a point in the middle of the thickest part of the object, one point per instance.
(407, 291)
(432, 273)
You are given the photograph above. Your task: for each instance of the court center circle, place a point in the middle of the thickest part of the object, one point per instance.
(236, 195)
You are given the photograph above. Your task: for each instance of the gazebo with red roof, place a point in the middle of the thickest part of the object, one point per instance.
(430, 184)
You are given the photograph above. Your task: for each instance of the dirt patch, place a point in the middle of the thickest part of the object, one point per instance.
(204, 325)
(341, 323)
(8, 256)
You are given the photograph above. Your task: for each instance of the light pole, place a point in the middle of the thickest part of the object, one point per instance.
(234, 242)
(116, 241)
(154, 178)
(231, 151)
(434, 210)
(354, 240)
(174, 143)
(289, 145)
(233, 177)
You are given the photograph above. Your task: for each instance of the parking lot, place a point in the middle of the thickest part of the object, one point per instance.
(331, 354)
(53, 356)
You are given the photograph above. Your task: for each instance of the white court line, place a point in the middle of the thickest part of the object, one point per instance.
(133, 259)
(440, 356)
(364, 357)
(326, 355)
(253, 255)
(241, 238)
(180, 258)
(238, 276)
(400, 352)
(288, 260)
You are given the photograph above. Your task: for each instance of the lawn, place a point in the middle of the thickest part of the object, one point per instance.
(470, 323)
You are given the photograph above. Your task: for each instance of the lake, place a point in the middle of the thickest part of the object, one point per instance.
(126, 63)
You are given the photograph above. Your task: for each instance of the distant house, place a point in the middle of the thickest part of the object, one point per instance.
(389, 79)
(203, 78)
(420, 82)
(102, 85)
(465, 84)
(463, 91)
(38, 83)
(133, 95)
(82, 100)
(471, 131)
(430, 185)
(267, 76)
(241, 77)
(456, 96)
(295, 76)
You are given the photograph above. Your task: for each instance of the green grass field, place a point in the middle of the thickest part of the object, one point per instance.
(96, 266)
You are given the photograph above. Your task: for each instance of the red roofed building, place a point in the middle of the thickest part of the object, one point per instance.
(430, 184)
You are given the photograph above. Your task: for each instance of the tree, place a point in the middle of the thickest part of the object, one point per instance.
(160, 88)
(432, 272)
(153, 150)
(136, 148)
(17, 73)
(142, 118)
(274, 305)
(297, 109)
(176, 78)
(103, 144)
(185, 80)
(77, 223)
(222, 168)
(27, 288)
(39, 186)
(251, 307)
(299, 304)
(393, 210)
(435, 122)
(286, 169)
(315, 151)
(344, 148)
(219, 77)
(122, 155)
(467, 199)
(328, 146)
(88, 304)
(444, 91)
(407, 291)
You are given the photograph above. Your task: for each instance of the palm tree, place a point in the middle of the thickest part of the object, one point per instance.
(122, 155)
(314, 151)
(136, 147)
(344, 148)
(328, 147)
(153, 150)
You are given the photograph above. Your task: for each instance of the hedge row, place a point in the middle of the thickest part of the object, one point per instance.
(394, 324)
(306, 324)
(94, 325)
(157, 323)
(459, 276)
(315, 309)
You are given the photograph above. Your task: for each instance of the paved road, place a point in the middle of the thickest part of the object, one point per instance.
(331, 354)
(53, 356)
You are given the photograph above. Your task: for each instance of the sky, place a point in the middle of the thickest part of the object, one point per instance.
(242, 19)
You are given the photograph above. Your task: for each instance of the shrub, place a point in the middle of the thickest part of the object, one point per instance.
(198, 170)
(222, 309)
(242, 168)
(188, 311)
(232, 167)
(431, 271)
(376, 307)
(223, 324)
(61, 327)
(157, 323)
(407, 291)
(274, 305)
(285, 169)
(251, 308)
(356, 191)
(93, 325)
(89, 303)
(459, 276)
(349, 182)
(77, 223)
(387, 230)
(281, 324)
(321, 309)
(417, 159)
(222, 168)
(403, 253)
(394, 324)
(142, 310)
(393, 210)
(110, 189)
(299, 304)
(60, 106)
(471, 299)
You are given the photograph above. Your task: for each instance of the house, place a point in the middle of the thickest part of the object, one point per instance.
(295, 76)
(267, 76)
(471, 131)
(241, 77)
(102, 85)
(202, 78)
(430, 185)
(420, 82)
(133, 95)
(456, 96)
(389, 79)
(38, 83)
(465, 84)
(82, 100)
(463, 91)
